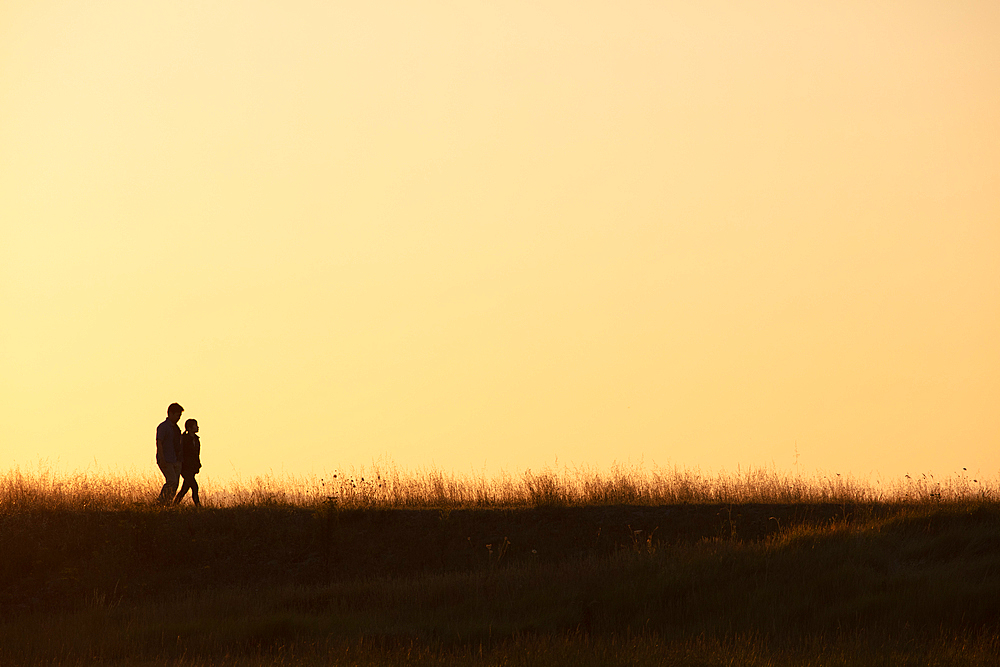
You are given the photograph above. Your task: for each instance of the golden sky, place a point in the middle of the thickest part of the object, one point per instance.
(500, 234)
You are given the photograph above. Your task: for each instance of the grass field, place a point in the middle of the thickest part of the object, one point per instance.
(381, 567)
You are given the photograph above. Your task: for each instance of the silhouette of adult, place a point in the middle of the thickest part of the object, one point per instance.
(168, 451)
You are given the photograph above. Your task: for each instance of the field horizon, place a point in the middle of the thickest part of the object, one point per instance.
(386, 485)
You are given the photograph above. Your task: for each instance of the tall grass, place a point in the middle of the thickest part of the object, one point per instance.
(386, 486)
(92, 571)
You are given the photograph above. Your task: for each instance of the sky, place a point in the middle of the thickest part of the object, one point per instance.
(486, 235)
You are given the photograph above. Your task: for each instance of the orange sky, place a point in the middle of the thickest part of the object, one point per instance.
(498, 234)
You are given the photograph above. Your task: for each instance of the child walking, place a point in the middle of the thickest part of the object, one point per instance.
(190, 461)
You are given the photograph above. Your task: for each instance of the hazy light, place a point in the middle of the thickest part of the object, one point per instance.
(502, 234)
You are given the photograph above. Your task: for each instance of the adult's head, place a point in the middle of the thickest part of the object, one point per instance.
(191, 426)
(174, 411)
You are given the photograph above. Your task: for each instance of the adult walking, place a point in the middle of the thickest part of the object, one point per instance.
(168, 452)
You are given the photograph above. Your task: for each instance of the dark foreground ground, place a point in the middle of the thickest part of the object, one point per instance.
(687, 584)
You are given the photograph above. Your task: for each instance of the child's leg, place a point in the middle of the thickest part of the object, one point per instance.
(183, 491)
(194, 490)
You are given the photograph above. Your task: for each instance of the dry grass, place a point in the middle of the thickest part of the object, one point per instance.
(385, 486)
(627, 566)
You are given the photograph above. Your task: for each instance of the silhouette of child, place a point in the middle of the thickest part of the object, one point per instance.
(190, 461)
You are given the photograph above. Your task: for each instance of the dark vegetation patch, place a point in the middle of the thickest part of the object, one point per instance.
(56, 558)
(271, 580)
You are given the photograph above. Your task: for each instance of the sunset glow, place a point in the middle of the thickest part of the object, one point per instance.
(502, 234)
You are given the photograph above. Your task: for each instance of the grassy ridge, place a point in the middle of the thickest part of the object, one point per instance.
(270, 582)
(385, 486)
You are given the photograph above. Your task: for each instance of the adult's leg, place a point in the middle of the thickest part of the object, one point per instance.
(194, 490)
(171, 473)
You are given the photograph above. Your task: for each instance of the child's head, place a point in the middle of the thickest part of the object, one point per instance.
(191, 426)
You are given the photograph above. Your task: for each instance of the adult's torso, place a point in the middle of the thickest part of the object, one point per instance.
(168, 442)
